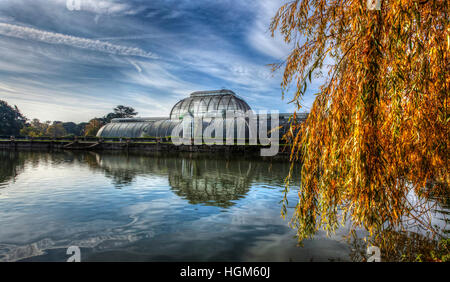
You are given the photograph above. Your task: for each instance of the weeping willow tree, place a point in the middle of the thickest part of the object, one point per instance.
(378, 129)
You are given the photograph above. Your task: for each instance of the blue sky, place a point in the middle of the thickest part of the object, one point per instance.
(58, 64)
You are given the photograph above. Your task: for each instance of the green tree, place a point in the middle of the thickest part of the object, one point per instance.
(30, 131)
(73, 128)
(56, 130)
(81, 127)
(35, 128)
(124, 112)
(120, 112)
(11, 120)
(93, 127)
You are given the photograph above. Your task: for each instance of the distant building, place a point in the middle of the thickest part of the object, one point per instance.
(207, 106)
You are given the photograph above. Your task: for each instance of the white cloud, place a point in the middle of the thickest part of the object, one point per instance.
(229, 66)
(37, 100)
(258, 35)
(151, 106)
(156, 76)
(136, 65)
(187, 62)
(104, 7)
(28, 33)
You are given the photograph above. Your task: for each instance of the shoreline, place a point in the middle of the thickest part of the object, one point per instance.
(142, 147)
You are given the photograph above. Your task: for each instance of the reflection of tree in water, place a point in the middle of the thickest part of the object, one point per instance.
(440, 195)
(411, 243)
(398, 246)
(11, 165)
(199, 178)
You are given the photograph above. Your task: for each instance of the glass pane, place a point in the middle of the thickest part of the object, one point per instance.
(171, 127)
(193, 108)
(224, 103)
(214, 104)
(151, 130)
(135, 130)
(232, 106)
(175, 110)
(185, 107)
(157, 128)
(163, 128)
(203, 106)
(114, 128)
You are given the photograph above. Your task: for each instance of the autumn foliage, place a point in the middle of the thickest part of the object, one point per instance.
(379, 127)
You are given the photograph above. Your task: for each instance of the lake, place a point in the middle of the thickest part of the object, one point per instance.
(118, 206)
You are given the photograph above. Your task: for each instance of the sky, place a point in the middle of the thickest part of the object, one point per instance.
(61, 63)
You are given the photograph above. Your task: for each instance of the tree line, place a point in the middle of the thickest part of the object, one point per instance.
(14, 123)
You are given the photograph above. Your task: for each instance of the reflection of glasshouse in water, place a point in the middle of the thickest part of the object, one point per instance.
(212, 182)
(212, 107)
(151, 200)
(216, 188)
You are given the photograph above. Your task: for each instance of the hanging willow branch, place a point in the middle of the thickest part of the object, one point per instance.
(379, 128)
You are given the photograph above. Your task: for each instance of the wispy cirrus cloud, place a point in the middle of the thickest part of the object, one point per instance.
(28, 33)
(104, 55)
(105, 7)
(259, 36)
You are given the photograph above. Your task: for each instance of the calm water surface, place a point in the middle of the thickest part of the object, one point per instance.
(134, 207)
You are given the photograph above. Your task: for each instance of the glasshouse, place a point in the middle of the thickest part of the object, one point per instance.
(208, 108)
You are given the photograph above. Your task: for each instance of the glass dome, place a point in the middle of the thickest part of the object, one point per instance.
(209, 104)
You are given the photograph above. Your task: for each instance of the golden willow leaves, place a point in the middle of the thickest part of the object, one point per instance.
(379, 127)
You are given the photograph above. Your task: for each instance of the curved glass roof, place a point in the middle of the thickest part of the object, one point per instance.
(164, 128)
(160, 128)
(209, 104)
(124, 129)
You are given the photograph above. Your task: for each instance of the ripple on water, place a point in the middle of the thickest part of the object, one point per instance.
(118, 206)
